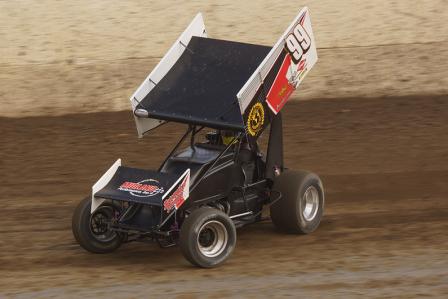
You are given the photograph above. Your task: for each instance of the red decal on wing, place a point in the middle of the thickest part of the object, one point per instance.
(281, 89)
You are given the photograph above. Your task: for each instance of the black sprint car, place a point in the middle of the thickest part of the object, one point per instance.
(210, 184)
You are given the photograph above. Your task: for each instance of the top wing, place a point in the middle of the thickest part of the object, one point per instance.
(200, 87)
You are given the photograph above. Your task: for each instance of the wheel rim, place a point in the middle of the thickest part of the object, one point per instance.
(212, 238)
(310, 203)
(99, 224)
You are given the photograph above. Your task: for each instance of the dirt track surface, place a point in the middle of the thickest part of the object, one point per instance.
(384, 163)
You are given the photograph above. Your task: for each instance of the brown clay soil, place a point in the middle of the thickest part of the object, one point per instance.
(383, 161)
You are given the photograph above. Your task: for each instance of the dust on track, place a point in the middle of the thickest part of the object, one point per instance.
(384, 163)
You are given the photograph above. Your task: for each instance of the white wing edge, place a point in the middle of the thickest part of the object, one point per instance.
(101, 183)
(186, 193)
(196, 28)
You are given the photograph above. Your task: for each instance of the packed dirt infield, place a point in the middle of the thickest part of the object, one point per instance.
(384, 163)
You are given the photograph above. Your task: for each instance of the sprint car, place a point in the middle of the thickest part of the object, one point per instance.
(217, 178)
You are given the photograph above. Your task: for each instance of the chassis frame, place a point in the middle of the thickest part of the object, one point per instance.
(165, 234)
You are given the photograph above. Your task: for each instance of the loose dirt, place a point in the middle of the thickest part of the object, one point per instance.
(383, 161)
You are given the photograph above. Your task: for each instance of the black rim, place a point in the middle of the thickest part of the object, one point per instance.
(206, 237)
(99, 224)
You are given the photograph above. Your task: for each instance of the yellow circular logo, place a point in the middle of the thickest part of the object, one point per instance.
(255, 120)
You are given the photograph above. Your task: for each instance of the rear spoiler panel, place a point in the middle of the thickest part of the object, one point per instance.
(279, 74)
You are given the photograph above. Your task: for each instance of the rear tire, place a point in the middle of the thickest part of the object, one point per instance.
(91, 232)
(207, 237)
(301, 206)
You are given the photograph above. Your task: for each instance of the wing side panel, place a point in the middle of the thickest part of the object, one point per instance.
(196, 28)
(299, 45)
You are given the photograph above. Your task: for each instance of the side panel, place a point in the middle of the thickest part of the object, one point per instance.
(177, 194)
(101, 183)
(296, 52)
(196, 28)
(219, 181)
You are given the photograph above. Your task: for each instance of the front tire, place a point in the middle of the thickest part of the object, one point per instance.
(301, 206)
(91, 230)
(207, 237)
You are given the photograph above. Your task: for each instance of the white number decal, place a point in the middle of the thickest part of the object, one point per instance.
(298, 43)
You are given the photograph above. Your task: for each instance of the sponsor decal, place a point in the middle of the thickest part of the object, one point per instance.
(255, 120)
(302, 69)
(178, 197)
(283, 86)
(302, 65)
(145, 188)
(302, 73)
